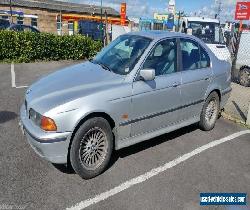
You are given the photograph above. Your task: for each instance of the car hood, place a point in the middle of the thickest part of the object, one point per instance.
(69, 84)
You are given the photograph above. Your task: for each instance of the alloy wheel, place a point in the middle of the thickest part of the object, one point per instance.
(93, 148)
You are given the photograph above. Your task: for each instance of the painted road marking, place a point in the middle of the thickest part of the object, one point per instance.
(13, 77)
(153, 172)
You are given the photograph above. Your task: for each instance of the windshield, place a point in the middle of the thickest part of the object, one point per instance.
(121, 55)
(210, 33)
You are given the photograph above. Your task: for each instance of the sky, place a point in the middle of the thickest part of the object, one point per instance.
(146, 8)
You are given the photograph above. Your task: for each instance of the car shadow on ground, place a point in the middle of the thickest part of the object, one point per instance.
(241, 113)
(6, 116)
(67, 169)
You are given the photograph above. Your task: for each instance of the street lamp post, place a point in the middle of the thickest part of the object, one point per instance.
(11, 17)
(101, 28)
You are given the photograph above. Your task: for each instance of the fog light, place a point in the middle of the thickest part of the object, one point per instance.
(48, 124)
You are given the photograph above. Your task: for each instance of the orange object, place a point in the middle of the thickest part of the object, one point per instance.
(125, 116)
(123, 13)
(241, 26)
(48, 124)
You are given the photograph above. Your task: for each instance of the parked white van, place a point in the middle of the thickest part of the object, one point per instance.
(210, 32)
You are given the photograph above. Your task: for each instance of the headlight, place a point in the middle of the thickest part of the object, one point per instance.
(43, 122)
(35, 117)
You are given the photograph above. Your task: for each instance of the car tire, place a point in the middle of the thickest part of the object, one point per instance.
(91, 148)
(210, 112)
(244, 77)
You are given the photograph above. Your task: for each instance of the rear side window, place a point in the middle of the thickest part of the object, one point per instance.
(193, 55)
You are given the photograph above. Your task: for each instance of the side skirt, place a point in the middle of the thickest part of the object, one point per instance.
(151, 134)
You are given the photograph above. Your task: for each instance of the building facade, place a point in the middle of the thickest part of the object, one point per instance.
(56, 16)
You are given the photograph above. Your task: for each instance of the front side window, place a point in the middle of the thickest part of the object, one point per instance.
(163, 58)
(121, 55)
(193, 55)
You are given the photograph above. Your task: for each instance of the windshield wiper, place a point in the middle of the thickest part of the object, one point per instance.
(104, 66)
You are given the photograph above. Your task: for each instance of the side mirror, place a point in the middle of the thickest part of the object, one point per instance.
(147, 74)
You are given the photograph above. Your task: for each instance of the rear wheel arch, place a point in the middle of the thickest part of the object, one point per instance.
(210, 111)
(218, 93)
(216, 90)
(84, 119)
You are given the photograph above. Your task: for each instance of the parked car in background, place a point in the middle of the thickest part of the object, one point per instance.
(4, 24)
(243, 59)
(140, 86)
(21, 27)
(208, 30)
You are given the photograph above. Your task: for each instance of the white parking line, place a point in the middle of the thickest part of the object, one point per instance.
(153, 172)
(13, 77)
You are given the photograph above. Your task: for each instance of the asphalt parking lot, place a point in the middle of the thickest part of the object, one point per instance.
(29, 182)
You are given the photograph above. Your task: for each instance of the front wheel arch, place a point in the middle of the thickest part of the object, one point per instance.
(84, 119)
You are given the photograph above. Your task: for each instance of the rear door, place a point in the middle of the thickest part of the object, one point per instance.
(196, 77)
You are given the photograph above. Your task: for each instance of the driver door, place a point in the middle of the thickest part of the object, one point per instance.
(154, 102)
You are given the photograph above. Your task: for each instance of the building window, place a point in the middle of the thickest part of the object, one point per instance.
(71, 27)
(59, 26)
(19, 20)
(34, 22)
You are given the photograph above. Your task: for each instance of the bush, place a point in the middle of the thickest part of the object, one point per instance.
(29, 46)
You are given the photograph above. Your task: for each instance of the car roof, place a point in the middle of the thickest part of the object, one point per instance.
(156, 35)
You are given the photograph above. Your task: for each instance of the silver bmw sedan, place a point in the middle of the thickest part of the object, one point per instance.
(140, 86)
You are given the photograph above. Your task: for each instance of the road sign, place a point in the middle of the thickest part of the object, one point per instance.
(242, 11)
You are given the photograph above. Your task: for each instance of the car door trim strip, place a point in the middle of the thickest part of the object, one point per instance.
(158, 113)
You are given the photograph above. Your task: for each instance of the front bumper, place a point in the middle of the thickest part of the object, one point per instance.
(51, 146)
